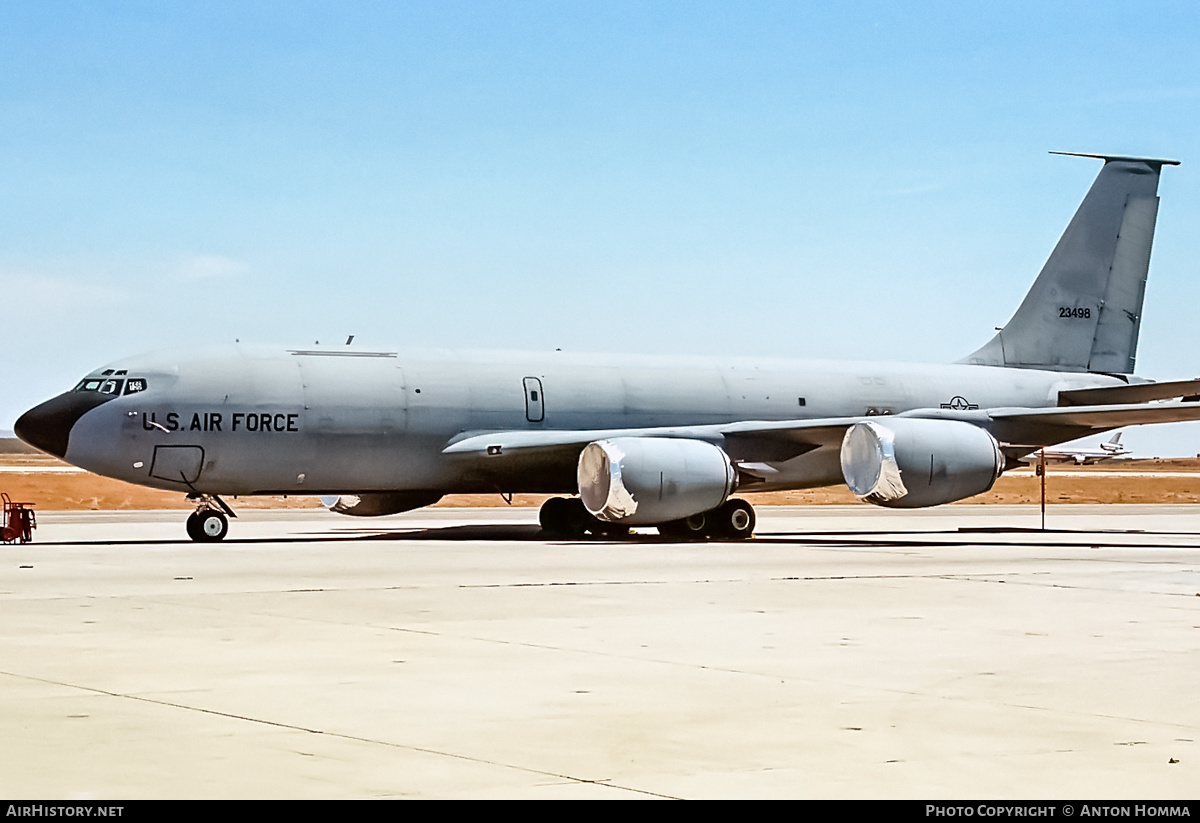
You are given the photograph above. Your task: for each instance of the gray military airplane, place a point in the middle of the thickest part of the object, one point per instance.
(642, 441)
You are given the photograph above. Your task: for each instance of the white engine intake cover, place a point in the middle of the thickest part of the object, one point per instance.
(652, 480)
(907, 462)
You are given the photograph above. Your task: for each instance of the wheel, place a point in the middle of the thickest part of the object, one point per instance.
(552, 516)
(689, 528)
(193, 526)
(564, 517)
(208, 526)
(733, 520)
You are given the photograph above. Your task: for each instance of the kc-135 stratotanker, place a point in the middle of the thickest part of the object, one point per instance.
(639, 441)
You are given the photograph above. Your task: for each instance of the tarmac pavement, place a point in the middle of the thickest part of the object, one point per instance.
(845, 652)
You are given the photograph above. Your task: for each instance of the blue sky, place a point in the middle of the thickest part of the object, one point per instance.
(851, 180)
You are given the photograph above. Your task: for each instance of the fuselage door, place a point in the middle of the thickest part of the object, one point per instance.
(535, 410)
(179, 464)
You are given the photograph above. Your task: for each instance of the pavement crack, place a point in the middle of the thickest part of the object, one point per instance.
(262, 721)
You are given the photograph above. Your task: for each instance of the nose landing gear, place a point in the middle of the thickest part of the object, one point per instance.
(208, 523)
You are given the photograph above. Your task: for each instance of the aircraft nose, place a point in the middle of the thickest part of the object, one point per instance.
(48, 426)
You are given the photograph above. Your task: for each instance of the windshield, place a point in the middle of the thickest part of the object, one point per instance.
(112, 385)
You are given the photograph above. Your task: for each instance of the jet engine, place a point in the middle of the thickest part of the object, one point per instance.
(639, 481)
(377, 504)
(907, 463)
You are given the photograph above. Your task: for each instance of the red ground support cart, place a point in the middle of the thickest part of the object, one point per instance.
(19, 521)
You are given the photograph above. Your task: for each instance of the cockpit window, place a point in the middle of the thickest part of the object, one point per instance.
(108, 385)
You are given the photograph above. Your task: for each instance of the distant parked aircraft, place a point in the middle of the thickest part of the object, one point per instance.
(1082, 457)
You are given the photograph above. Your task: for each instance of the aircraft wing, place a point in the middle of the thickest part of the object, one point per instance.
(1134, 393)
(1020, 429)
(764, 441)
(548, 458)
(1098, 418)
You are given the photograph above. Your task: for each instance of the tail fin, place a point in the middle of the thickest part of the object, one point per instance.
(1084, 310)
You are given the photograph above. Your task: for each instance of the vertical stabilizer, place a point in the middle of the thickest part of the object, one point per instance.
(1084, 311)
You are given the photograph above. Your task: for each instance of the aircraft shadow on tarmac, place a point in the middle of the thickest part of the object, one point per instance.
(532, 533)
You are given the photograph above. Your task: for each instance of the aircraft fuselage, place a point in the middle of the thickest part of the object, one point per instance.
(245, 420)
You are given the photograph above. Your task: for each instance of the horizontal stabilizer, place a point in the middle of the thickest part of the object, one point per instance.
(1157, 162)
(1135, 393)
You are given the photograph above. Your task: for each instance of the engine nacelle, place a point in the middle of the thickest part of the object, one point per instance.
(641, 481)
(907, 462)
(377, 504)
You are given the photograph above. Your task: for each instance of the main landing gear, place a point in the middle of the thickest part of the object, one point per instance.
(209, 522)
(732, 520)
(566, 517)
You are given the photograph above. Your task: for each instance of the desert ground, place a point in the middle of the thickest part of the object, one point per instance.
(52, 485)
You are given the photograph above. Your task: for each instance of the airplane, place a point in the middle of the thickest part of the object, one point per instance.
(1081, 456)
(633, 441)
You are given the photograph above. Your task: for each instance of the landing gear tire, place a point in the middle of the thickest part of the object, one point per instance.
(564, 517)
(193, 525)
(207, 526)
(689, 528)
(567, 517)
(733, 520)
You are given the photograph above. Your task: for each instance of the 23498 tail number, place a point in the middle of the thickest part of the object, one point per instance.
(1070, 311)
